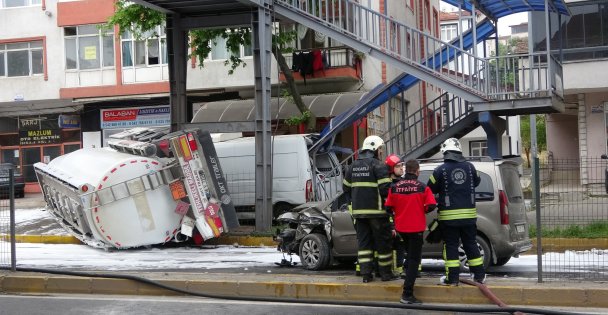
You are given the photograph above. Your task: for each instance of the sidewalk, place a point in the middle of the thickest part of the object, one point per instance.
(301, 286)
(342, 288)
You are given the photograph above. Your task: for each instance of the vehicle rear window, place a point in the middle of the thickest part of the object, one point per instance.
(512, 185)
(483, 192)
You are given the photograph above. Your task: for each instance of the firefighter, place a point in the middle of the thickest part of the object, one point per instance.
(455, 181)
(410, 200)
(395, 170)
(367, 181)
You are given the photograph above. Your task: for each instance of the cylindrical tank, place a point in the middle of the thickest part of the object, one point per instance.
(125, 199)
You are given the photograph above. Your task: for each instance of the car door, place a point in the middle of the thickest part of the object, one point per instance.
(344, 237)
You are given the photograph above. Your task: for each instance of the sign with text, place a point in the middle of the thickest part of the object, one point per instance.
(148, 116)
(69, 121)
(38, 122)
(43, 136)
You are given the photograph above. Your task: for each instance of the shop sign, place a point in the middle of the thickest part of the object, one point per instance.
(38, 123)
(43, 136)
(136, 117)
(69, 121)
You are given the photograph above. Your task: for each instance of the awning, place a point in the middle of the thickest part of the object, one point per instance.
(29, 108)
(497, 9)
(322, 105)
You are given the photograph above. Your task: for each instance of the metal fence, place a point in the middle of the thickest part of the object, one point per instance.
(7, 217)
(573, 219)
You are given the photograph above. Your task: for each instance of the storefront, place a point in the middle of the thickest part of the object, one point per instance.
(40, 138)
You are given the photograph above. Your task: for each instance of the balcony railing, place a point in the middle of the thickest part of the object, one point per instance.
(335, 57)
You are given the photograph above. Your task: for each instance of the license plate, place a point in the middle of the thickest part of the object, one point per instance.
(520, 228)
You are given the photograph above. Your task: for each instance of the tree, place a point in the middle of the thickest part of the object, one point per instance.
(140, 20)
(541, 134)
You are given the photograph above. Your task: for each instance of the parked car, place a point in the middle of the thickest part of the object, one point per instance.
(322, 233)
(19, 183)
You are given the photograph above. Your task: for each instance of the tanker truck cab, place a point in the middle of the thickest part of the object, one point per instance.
(291, 171)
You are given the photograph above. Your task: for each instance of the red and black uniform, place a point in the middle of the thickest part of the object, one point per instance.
(410, 200)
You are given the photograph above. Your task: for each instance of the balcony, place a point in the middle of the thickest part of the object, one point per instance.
(319, 65)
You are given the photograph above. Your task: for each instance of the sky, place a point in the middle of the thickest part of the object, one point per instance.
(504, 23)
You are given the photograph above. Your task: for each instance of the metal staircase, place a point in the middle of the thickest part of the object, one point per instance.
(391, 41)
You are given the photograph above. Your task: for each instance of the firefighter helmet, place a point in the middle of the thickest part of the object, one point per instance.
(372, 143)
(451, 144)
(391, 161)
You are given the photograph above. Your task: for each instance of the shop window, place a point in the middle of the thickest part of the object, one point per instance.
(31, 156)
(87, 47)
(68, 148)
(10, 156)
(21, 59)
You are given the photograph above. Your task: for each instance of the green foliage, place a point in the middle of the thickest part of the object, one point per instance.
(296, 120)
(541, 132)
(594, 230)
(201, 41)
(135, 18)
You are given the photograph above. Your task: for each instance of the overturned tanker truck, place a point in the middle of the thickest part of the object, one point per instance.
(147, 188)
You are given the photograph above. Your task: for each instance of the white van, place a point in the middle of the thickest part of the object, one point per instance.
(291, 172)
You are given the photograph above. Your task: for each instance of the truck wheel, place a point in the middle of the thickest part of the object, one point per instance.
(314, 252)
(501, 261)
(484, 249)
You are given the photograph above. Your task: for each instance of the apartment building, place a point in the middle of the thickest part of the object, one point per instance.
(66, 82)
(581, 132)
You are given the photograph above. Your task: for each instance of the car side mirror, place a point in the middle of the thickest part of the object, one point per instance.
(604, 156)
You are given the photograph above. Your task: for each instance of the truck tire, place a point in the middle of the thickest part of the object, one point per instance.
(314, 252)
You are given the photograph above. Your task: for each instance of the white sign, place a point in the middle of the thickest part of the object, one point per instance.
(147, 116)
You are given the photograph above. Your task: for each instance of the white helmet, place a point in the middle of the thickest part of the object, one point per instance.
(451, 144)
(372, 143)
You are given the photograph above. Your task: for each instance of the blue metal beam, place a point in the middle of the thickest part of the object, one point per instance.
(383, 93)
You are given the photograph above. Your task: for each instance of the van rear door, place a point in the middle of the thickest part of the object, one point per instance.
(511, 185)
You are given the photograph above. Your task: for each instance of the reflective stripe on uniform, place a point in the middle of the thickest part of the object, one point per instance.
(364, 252)
(385, 256)
(364, 260)
(432, 179)
(385, 263)
(476, 262)
(368, 211)
(364, 184)
(346, 183)
(452, 263)
(384, 180)
(455, 214)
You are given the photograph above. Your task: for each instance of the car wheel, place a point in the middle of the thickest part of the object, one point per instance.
(501, 261)
(484, 249)
(314, 252)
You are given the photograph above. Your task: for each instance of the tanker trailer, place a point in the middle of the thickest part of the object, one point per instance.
(138, 193)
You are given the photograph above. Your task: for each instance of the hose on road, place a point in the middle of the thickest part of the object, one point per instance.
(428, 307)
(486, 291)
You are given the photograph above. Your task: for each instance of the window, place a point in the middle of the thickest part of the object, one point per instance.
(478, 148)
(21, 59)
(449, 32)
(219, 52)
(149, 50)
(18, 3)
(86, 48)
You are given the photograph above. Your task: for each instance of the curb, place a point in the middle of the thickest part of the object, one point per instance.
(300, 289)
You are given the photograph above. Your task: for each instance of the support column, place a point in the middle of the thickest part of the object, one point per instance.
(494, 127)
(262, 43)
(176, 40)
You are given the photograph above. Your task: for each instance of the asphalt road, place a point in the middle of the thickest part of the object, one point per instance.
(104, 304)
